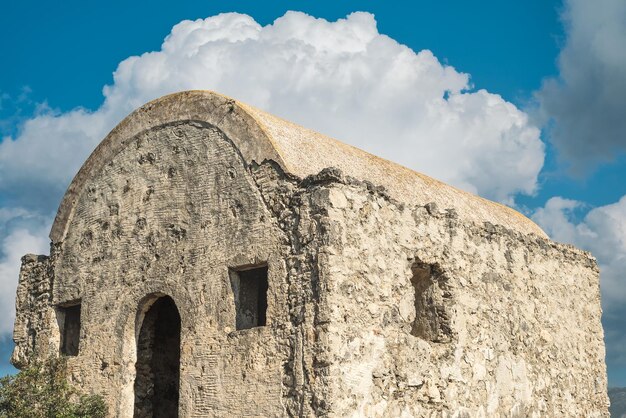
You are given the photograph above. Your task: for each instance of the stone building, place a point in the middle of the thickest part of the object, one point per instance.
(210, 259)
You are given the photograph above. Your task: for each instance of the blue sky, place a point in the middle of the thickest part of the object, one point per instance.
(559, 65)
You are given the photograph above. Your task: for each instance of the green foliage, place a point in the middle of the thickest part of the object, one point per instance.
(42, 391)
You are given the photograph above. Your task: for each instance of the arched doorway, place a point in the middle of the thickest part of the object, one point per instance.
(158, 361)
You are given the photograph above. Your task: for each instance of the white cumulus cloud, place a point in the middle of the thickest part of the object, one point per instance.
(342, 78)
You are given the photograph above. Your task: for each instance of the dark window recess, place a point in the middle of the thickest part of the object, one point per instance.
(250, 291)
(70, 332)
(432, 301)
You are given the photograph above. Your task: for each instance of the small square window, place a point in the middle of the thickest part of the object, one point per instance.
(250, 291)
(69, 318)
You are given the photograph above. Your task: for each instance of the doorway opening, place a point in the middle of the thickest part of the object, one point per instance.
(158, 361)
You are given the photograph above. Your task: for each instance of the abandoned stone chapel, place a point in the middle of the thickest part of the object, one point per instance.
(212, 260)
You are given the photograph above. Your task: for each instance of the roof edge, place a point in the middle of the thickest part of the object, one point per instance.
(200, 105)
(260, 136)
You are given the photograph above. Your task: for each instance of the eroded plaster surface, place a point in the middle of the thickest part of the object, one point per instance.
(375, 305)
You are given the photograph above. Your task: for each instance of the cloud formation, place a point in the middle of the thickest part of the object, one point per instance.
(602, 232)
(584, 106)
(341, 78)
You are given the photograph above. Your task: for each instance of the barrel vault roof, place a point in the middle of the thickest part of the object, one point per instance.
(299, 151)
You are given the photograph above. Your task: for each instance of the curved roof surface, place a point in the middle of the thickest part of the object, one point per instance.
(299, 151)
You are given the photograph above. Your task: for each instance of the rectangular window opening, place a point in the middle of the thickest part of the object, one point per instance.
(69, 319)
(250, 290)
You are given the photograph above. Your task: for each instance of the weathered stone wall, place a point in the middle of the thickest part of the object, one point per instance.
(168, 216)
(511, 325)
(374, 308)
(35, 332)
(304, 222)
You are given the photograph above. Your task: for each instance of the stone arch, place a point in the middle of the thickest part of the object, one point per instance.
(129, 312)
(157, 366)
(227, 115)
